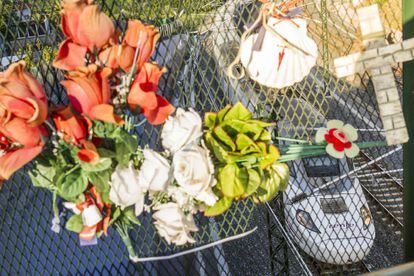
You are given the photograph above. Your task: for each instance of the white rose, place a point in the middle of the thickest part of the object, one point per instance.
(173, 225)
(125, 188)
(181, 129)
(155, 172)
(194, 173)
(184, 200)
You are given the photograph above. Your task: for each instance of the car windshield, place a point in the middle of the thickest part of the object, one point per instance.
(325, 168)
(321, 166)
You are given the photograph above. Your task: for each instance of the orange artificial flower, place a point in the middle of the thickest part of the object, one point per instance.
(86, 24)
(75, 128)
(143, 94)
(22, 96)
(88, 153)
(141, 36)
(158, 115)
(70, 56)
(70, 13)
(89, 93)
(118, 56)
(145, 85)
(86, 28)
(95, 28)
(20, 143)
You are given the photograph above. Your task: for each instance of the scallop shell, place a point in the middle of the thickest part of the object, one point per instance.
(263, 66)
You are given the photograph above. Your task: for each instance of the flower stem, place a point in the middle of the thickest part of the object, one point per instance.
(55, 207)
(295, 152)
(123, 232)
(297, 156)
(292, 140)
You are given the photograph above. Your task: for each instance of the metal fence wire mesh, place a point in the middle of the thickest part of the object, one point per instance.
(199, 40)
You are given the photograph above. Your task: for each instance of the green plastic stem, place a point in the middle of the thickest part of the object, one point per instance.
(301, 151)
(123, 232)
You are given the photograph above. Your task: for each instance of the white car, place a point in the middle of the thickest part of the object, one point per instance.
(333, 225)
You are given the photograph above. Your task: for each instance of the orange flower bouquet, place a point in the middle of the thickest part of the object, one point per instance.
(77, 146)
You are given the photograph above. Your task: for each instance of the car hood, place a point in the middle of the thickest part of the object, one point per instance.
(334, 226)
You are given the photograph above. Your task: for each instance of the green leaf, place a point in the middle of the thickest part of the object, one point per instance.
(276, 179)
(243, 141)
(219, 207)
(80, 199)
(254, 149)
(250, 159)
(210, 119)
(271, 186)
(123, 154)
(101, 180)
(260, 191)
(115, 215)
(265, 136)
(282, 170)
(239, 112)
(130, 215)
(224, 137)
(263, 147)
(125, 145)
(274, 151)
(43, 174)
(232, 181)
(105, 196)
(222, 113)
(261, 124)
(104, 130)
(73, 185)
(235, 127)
(75, 224)
(219, 152)
(103, 164)
(254, 182)
(106, 153)
(129, 140)
(271, 157)
(246, 145)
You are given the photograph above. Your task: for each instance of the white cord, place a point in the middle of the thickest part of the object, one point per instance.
(193, 250)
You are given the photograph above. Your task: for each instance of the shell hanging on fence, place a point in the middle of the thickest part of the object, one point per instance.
(278, 64)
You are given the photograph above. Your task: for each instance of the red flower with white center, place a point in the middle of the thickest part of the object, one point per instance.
(339, 138)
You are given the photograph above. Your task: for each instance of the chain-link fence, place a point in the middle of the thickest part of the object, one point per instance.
(351, 226)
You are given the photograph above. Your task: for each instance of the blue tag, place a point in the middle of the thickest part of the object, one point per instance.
(94, 241)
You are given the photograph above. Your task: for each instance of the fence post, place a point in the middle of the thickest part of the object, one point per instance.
(408, 104)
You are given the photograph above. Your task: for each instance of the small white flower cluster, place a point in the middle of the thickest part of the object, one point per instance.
(179, 184)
